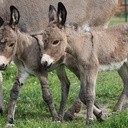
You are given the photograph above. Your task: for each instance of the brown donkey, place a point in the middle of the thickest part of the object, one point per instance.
(25, 51)
(98, 50)
(85, 13)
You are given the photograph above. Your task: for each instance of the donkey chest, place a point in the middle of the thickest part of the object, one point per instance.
(28, 68)
(28, 65)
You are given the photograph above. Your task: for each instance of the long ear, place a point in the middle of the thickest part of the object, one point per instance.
(61, 14)
(1, 21)
(14, 16)
(52, 13)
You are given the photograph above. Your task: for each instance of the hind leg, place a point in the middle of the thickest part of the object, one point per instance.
(123, 72)
(75, 108)
(1, 96)
(70, 62)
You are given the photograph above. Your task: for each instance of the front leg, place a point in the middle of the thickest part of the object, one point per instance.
(65, 85)
(21, 77)
(46, 94)
(1, 96)
(87, 91)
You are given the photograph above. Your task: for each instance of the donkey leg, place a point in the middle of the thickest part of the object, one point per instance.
(98, 113)
(88, 101)
(75, 108)
(87, 91)
(65, 85)
(46, 94)
(123, 72)
(72, 65)
(1, 95)
(21, 77)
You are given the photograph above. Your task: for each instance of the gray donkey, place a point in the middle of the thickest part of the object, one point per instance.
(84, 12)
(34, 19)
(94, 51)
(24, 49)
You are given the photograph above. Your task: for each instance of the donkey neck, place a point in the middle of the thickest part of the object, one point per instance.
(26, 44)
(78, 41)
(23, 41)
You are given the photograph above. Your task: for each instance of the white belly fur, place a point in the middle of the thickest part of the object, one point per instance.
(112, 66)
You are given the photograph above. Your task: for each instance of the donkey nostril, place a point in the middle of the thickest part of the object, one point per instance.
(45, 64)
(3, 66)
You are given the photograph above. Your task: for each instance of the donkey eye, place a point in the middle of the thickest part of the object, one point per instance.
(55, 42)
(11, 44)
(45, 41)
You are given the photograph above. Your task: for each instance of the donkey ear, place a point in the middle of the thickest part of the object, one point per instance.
(1, 21)
(52, 13)
(61, 14)
(14, 15)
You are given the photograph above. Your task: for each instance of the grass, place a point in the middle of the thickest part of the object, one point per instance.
(32, 112)
(117, 19)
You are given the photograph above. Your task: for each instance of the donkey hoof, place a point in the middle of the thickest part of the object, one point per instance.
(100, 117)
(8, 125)
(68, 117)
(56, 118)
(116, 110)
(1, 111)
(89, 121)
(60, 117)
(10, 121)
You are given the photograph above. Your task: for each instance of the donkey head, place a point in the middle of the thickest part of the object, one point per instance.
(8, 38)
(54, 37)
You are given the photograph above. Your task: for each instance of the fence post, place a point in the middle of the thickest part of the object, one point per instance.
(125, 10)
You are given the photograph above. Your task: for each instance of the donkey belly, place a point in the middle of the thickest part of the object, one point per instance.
(112, 66)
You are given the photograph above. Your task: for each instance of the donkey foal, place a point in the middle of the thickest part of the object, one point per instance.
(25, 51)
(98, 50)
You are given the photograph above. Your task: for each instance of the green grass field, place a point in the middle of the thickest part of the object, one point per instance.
(32, 112)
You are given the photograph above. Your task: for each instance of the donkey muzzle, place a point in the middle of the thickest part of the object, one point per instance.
(46, 61)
